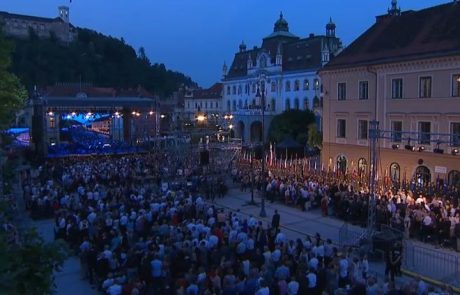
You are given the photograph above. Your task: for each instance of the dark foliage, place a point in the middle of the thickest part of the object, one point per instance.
(94, 58)
(293, 124)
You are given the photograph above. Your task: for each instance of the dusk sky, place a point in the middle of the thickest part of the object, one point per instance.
(196, 37)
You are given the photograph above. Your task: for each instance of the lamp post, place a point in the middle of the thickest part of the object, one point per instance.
(261, 94)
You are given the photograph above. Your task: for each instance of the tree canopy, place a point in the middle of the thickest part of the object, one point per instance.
(12, 94)
(293, 123)
(94, 58)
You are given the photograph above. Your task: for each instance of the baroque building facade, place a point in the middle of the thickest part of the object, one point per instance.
(403, 72)
(282, 73)
(20, 26)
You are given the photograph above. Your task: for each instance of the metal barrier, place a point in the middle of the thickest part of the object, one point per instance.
(349, 238)
(438, 264)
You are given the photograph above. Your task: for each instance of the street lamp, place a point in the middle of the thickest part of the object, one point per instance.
(261, 94)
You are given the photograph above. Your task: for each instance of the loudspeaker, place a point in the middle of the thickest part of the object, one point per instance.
(204, 157)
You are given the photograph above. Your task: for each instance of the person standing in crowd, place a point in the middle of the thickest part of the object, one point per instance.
(276, 220)
(395, 261)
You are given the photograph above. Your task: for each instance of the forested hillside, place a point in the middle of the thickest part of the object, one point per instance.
(93, 58)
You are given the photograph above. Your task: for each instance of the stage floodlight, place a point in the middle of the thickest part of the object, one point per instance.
(421, 148)
(395, 146)
(455, 152)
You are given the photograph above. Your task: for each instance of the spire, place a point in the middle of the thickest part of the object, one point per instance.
(224, 70)
(330, 28)
(394, 10)
(242, 47)
(279, 56)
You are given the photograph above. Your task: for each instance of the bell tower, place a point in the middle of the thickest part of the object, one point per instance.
(64, 13)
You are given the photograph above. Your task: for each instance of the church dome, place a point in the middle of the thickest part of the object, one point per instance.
(281, 24)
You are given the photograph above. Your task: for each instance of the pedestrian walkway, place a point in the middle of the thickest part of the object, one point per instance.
(295, 223)
(68, 280)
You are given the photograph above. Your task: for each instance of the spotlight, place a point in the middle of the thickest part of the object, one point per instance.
(151, 113)
(50, 114)
(421, 148)
(455, 152)
(395, 146)
(438, 151)
(74, 114)
(409, 147)
(117, 114)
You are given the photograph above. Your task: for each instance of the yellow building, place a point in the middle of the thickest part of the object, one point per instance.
(404, 72)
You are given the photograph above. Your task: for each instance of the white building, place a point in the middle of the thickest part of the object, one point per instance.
(285, 69)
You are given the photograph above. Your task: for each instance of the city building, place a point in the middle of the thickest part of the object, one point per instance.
(282, 73)
(18, 25)
(403, 72)
(203, 106)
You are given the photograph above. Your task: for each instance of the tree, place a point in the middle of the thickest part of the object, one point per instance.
(102, 60)
(315, 138)
(12, 94)
(27, 266)
(293, 123)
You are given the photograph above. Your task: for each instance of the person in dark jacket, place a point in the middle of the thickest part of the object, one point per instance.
(276, 220)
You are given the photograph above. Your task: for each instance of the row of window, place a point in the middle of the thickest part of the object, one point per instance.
(424, 132)
(422, 174)
(296, 87)
(271, 106)
(425, 88)
(199, 105)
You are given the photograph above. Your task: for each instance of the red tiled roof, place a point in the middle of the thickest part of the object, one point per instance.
(73, 89)
(215, 91)
(425, 33)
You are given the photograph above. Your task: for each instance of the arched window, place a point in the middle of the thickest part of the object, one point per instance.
(234, 89)
(288, 105)
(263, 61)
(305, 103)
(306, 84)
(362, 167)
(254, 88)
(395, 172)
(422, 176)
(228, 90)
(228, 106)
(341, 164)
(454, 178)
(240, 104)
(273, 105)
(316, 84)
(288, 86)
(273, 86)
(239, 89)
(296, 104)
(234, 105)
(296, 85)
(246, 104)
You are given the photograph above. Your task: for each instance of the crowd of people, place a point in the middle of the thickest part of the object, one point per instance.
(139, 230)
(79, 140)
(428, 216)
